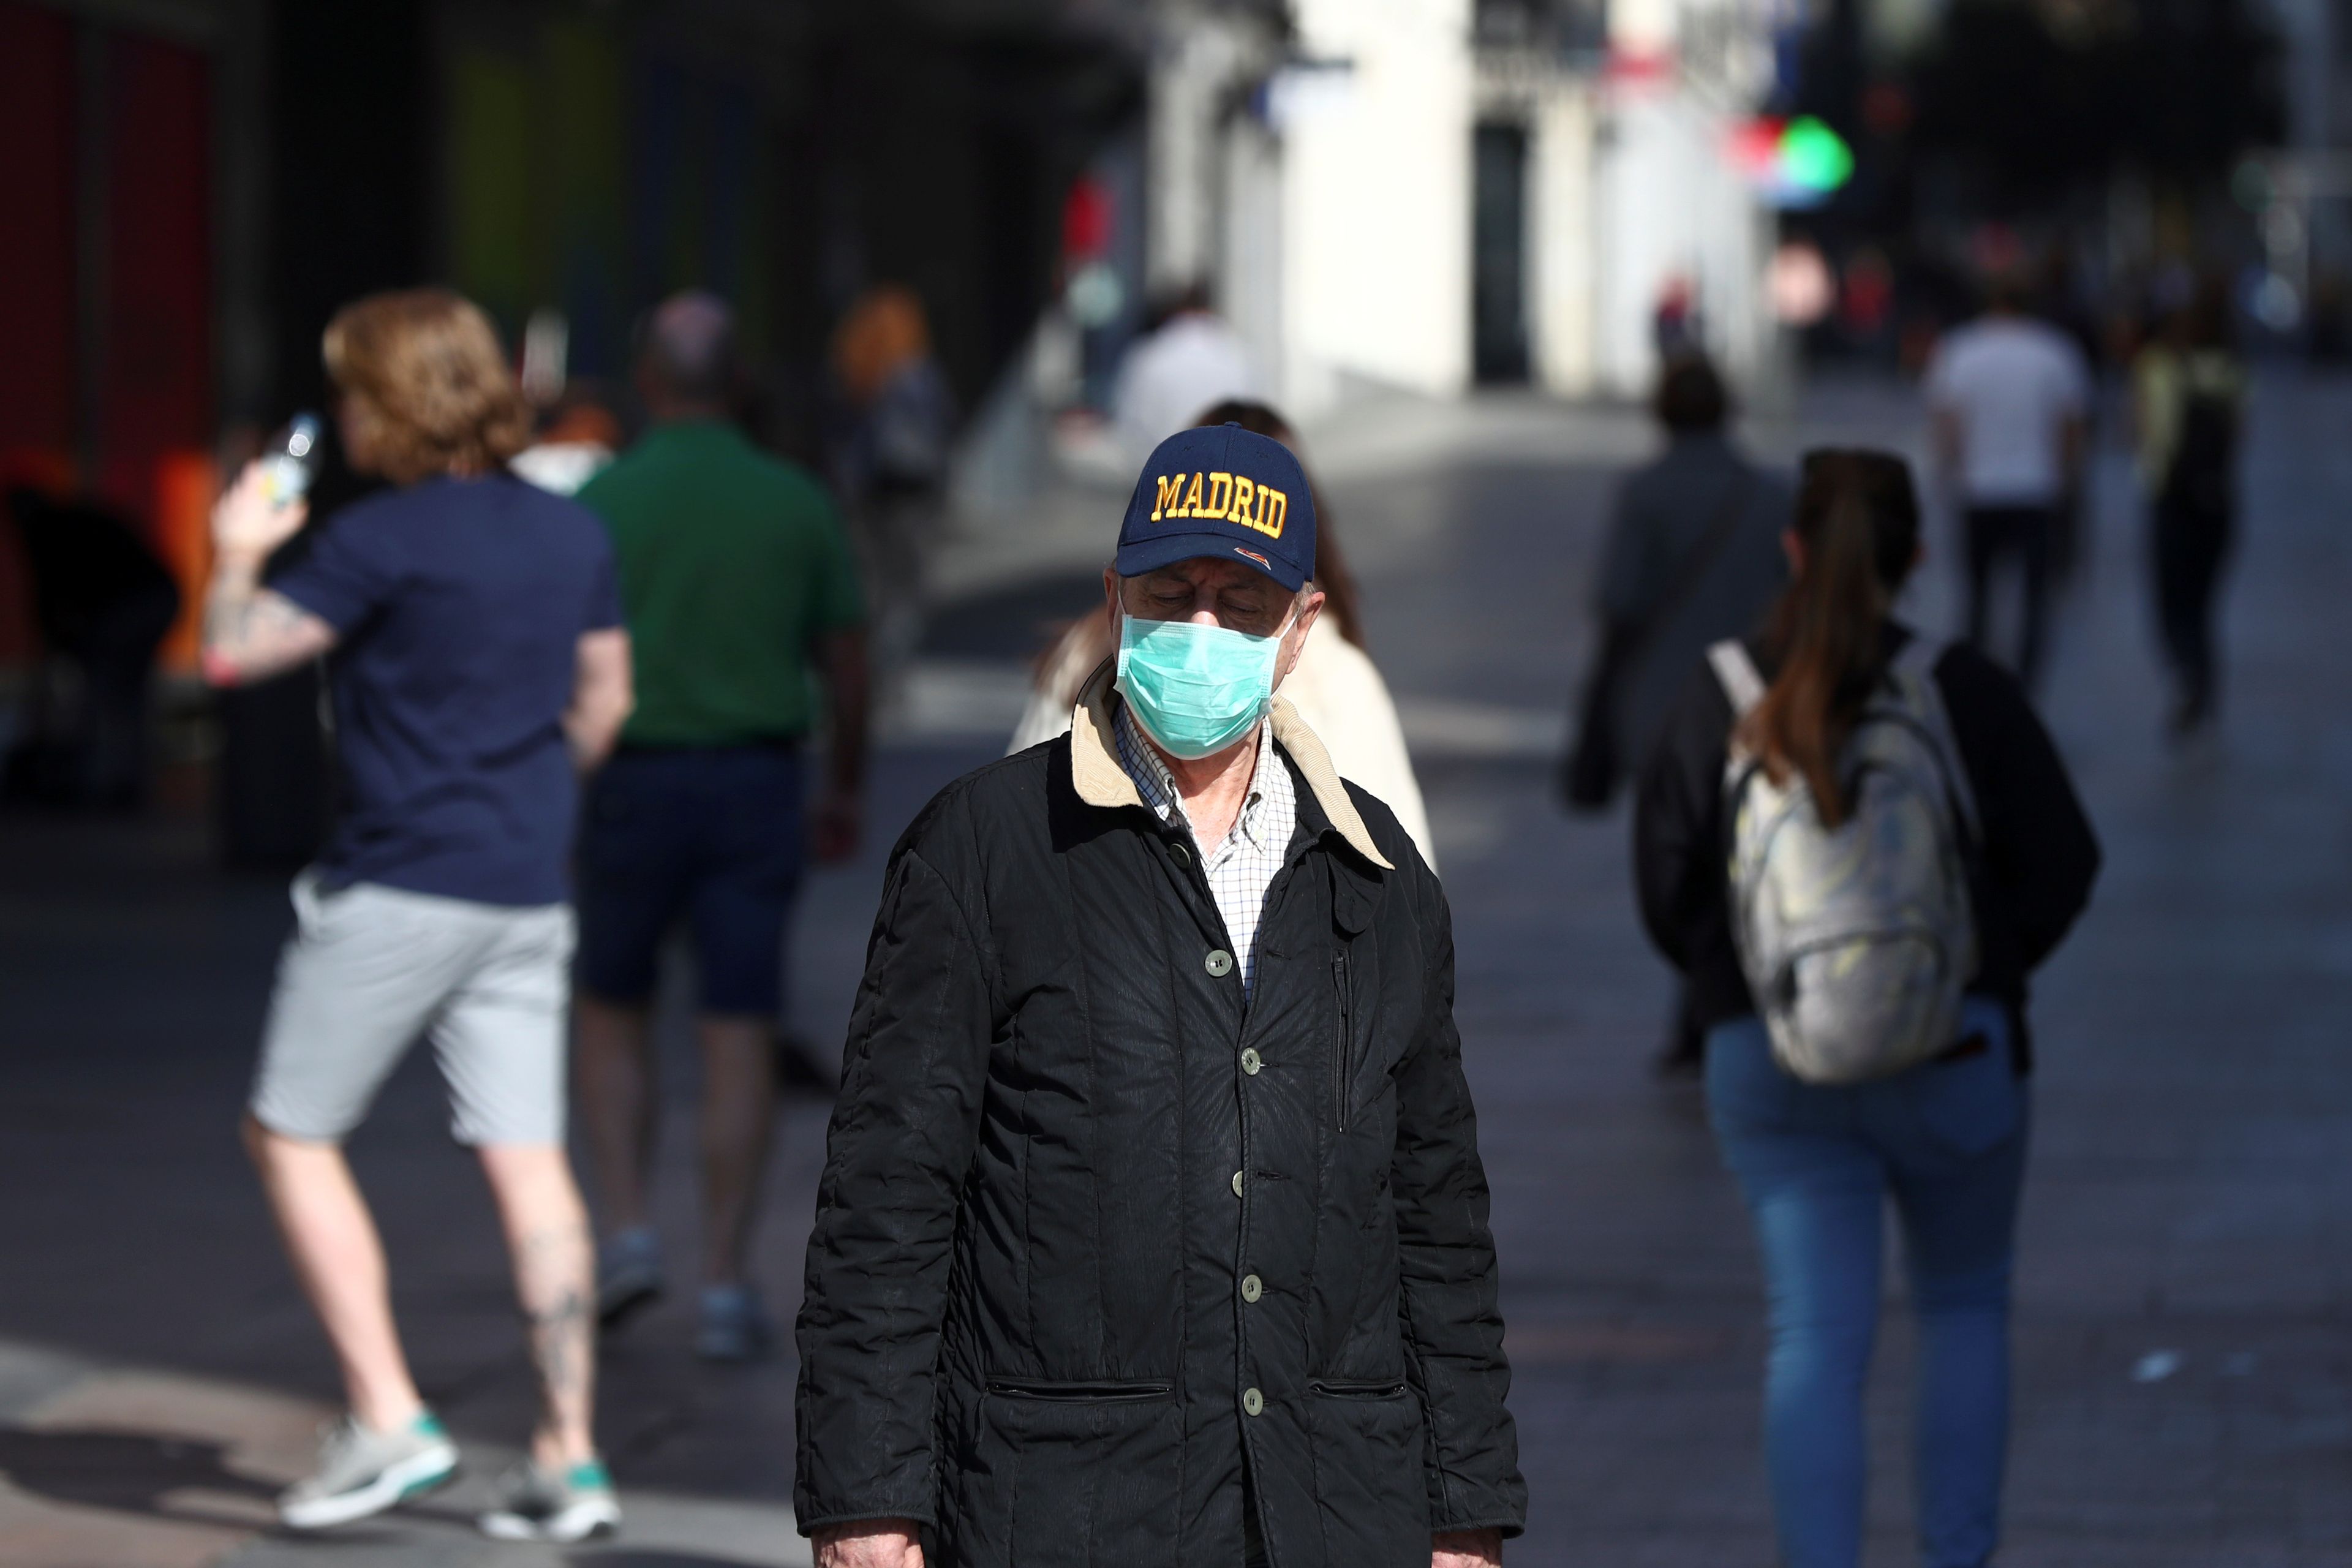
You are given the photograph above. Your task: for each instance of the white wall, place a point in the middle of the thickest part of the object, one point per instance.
(1669, 203)
(1376, 231)
(1562, 242)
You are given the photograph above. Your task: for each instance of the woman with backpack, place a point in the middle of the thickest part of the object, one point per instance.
(1903, 847)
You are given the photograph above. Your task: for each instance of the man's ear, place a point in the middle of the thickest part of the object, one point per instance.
(1110, 597)
(1310, 609)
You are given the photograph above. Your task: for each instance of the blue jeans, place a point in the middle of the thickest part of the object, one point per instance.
(1946, 1141)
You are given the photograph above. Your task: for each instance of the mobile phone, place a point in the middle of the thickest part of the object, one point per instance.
(292, 459)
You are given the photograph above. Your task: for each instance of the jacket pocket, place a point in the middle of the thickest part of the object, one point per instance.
(1098, 1391)
(1371, 1490)
(1071, 1475)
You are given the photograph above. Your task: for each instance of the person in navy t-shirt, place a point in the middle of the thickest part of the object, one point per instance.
(478, 663)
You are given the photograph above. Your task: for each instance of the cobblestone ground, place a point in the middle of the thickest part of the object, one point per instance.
(2183, 1357)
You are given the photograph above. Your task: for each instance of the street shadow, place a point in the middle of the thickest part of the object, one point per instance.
(625, 1557)
(130, 1472)
(1013, 622)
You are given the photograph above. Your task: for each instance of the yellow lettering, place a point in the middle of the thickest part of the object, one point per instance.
(1221, 495)
(1273, 511)
(1191, 506)
(1241, 507)
(1169, 495)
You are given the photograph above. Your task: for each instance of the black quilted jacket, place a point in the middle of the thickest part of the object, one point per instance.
(1096, 1239)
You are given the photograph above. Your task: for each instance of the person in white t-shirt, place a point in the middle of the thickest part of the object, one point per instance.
(2010, 397)
(1194, 358)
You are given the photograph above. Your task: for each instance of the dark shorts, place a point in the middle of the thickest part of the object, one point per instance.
(712, 836)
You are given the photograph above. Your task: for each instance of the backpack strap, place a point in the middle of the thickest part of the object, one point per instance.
(1918, 660)
(1738, 674)
(1920, 656)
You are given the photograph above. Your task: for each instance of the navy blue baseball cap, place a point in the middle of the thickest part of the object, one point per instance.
(1223, 492)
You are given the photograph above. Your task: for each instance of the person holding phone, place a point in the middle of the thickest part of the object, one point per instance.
(478, 665)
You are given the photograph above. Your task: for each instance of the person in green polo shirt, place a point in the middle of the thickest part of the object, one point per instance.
(742, 600)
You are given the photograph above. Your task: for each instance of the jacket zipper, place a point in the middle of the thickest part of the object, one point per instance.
(1331, 1389)
(1342, 1046)
(1105, 1393)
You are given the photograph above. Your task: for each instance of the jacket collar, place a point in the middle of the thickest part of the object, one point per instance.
(1100, 781)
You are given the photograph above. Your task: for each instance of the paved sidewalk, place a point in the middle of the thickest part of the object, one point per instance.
(2185, 1390)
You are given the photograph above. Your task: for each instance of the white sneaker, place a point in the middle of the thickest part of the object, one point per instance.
(543, 1505)
(362, 1471)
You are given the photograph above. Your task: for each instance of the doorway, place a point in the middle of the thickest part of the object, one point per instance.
(1498, 255)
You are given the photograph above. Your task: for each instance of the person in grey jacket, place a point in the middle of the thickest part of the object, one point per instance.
(1694, 555)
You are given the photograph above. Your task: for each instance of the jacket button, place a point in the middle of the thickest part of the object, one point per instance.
(1237, 1183)
(1252, 1061)
(1252, 1288)
(1182, 856)
(1219, 963)
(1252, 1401)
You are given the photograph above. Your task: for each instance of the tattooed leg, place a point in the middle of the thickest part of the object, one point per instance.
(554, 1266)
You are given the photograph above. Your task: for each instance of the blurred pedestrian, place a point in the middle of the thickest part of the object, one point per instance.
(892, 468)
(1336, 689)
(103, 603)
(2010, 397)
(1153, 1225)
(1190, 359)
(2188, 401)
(576, 441)
(1693, 555)
(1677, 324)
(737, 578)
(1898, 767)
(479, 662)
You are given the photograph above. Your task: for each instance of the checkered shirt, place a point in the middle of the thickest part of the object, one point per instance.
(1242, 868)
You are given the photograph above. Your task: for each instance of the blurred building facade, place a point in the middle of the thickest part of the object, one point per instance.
(192, 186)
(1436, 194)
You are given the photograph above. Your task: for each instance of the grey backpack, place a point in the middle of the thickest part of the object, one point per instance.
(1858, 941)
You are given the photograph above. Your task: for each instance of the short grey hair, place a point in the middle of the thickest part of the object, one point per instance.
(689, 346)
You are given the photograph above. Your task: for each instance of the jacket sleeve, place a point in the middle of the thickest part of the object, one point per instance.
(1678, 868)
(1452, 1322)
(1625, 586)
(2040, 853)
(902, 1137)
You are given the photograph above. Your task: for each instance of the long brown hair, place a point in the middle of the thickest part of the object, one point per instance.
(1331, 575)
(426, 388)
(1858, 522)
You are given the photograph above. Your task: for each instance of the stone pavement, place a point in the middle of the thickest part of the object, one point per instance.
(2185, 1377)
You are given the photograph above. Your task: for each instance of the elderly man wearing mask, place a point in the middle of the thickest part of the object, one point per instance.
(1152, 1229)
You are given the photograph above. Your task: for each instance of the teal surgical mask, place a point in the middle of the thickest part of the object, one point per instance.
(1195, 689)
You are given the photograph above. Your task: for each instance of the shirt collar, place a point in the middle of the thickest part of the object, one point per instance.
(1152, 780)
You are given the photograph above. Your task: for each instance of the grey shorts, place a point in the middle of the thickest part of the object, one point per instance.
(371, 968)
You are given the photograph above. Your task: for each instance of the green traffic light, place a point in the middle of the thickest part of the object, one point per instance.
(1813, 157)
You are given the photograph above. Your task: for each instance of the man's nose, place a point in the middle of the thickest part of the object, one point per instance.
(1203, 616)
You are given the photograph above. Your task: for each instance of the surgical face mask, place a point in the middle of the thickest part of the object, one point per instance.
(1195, 689)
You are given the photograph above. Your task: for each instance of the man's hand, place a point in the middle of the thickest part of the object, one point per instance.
(247, 524)
(834, 828)
(869, 1543)
(1460, 1549)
